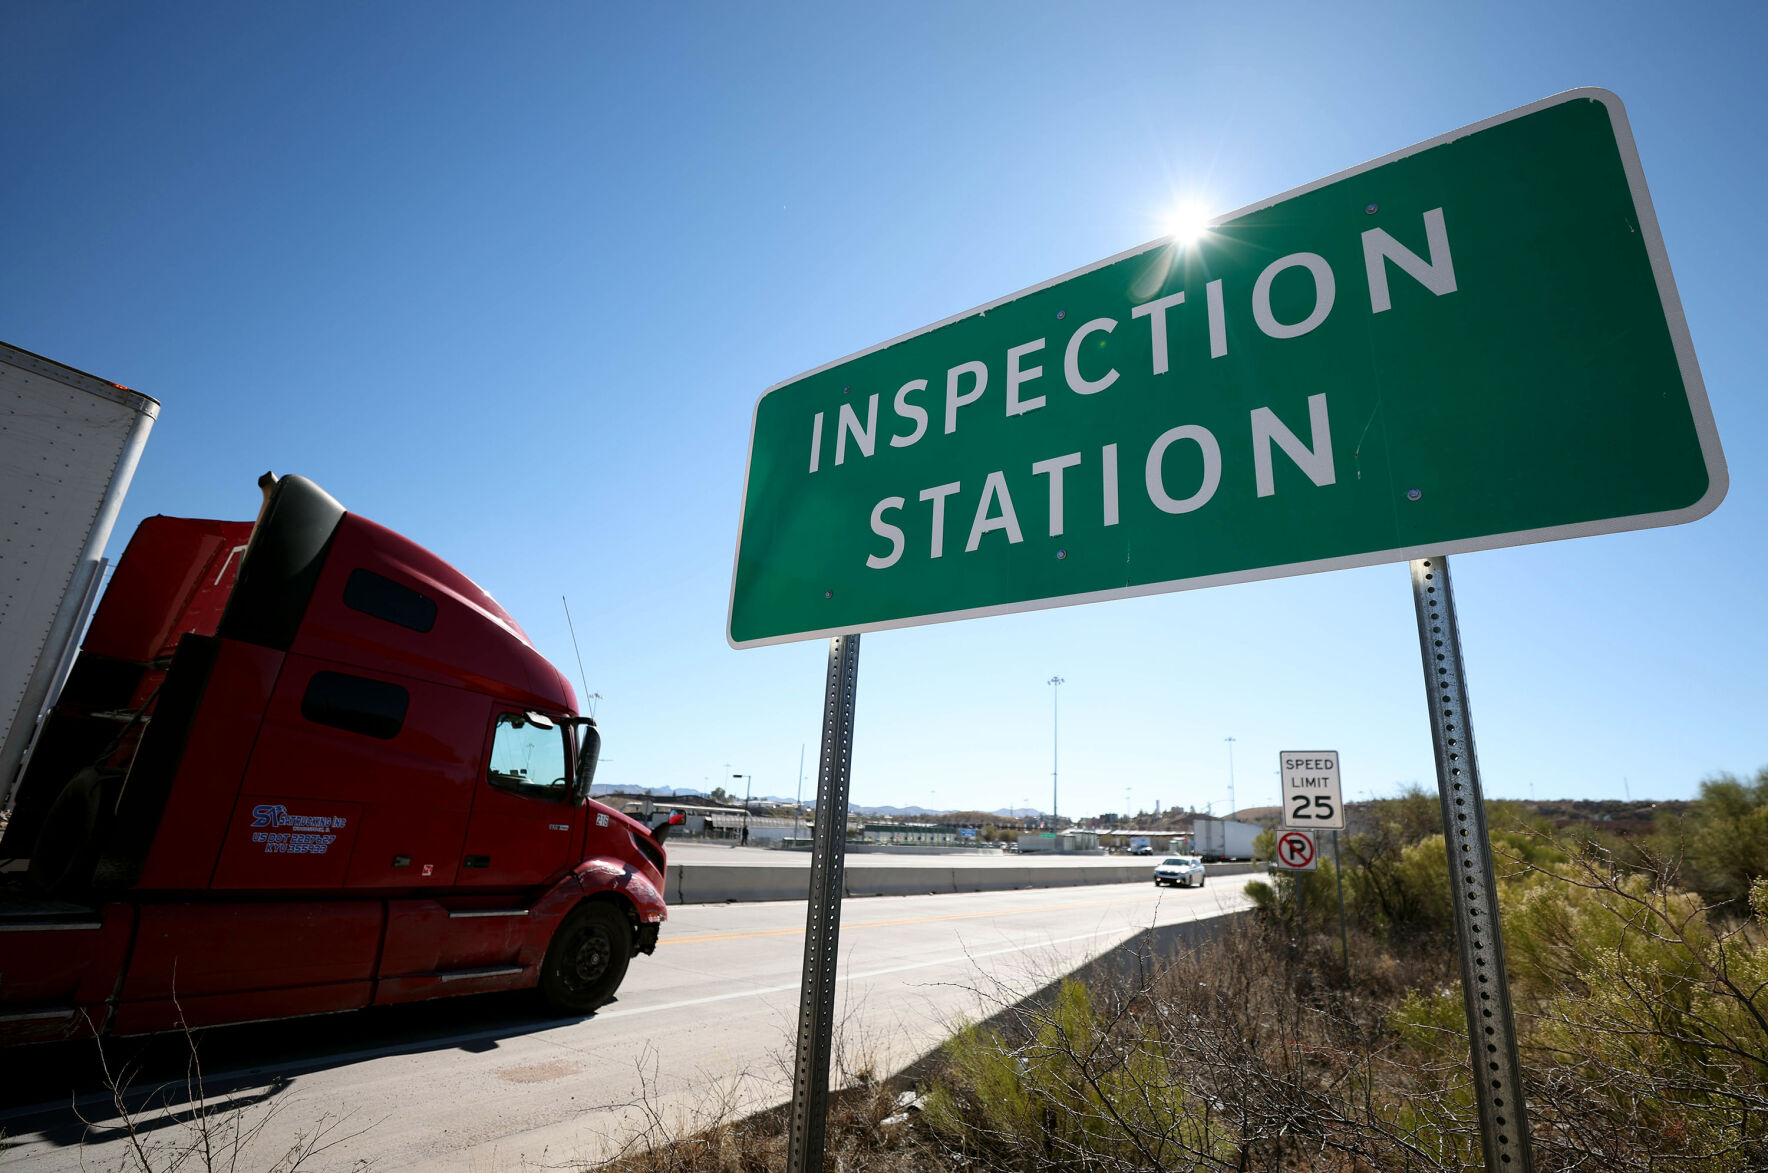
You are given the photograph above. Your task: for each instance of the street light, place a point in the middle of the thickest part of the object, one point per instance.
(748, 780)
(592, 698)
(1055, 683)
(1232, 805)
(798, 802)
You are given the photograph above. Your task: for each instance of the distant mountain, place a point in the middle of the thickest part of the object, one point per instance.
(921, 812)
(918, 812)
(900, 812)
(600, 789)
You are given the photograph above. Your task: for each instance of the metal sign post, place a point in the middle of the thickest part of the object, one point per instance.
(1485, 988)
(1344, 939)
(1314, 798)
(822, 923)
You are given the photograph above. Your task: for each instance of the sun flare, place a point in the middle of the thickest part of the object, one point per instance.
(1187, 222)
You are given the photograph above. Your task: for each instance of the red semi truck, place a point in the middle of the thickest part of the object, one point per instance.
(302, 765)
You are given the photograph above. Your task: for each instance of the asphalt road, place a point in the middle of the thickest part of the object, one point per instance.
(705, 1025)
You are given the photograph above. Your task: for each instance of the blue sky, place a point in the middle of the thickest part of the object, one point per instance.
(510, 278)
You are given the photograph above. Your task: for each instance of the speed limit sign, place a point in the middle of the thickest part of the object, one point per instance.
(1311, 791)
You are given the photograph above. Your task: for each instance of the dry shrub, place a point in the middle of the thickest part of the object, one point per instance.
(183, 1126)
(1642, 1019)
(857, 1140)
(1231, 1055)
(1642, 1013)
(867, 1130)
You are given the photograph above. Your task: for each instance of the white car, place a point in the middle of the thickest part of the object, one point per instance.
(1181, 871)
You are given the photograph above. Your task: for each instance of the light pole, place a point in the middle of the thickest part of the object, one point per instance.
(592, 698)
(798, 803)
(748, 780)
(1232, 806)
(1056, 683)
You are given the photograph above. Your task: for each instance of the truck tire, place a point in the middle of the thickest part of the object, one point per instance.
(587, 958)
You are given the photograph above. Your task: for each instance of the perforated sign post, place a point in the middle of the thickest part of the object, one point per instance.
(1475, 342)
(1313, 798)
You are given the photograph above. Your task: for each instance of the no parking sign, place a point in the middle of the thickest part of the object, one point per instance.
(1295, 851)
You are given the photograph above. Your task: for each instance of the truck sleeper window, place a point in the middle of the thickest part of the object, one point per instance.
(383, 598)
(372, 707)
(527, 759)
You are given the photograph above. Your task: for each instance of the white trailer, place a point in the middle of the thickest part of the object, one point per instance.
(1218, 839)
(69, 444)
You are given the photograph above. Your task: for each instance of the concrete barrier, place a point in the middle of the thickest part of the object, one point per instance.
(985, 879)
(717, 883)
(700, 883)
(897, 881)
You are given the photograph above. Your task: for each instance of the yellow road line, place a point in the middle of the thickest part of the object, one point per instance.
(907, 920)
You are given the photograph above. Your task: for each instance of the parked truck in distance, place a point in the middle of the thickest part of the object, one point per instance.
(69, 443)
(1215, 840)
(1141, 845)
(302, 765)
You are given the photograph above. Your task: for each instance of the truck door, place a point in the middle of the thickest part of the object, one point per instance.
(524, 824)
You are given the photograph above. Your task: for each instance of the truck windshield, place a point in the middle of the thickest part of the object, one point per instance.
(529, 759)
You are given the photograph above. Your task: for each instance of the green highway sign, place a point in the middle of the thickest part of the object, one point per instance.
(1472, 343)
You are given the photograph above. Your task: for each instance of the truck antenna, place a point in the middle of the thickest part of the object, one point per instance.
(580, 673)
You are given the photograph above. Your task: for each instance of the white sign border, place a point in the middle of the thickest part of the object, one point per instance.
(1706, 429)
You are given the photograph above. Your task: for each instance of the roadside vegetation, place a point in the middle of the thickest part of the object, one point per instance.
(1639, 968)
(179, 1125)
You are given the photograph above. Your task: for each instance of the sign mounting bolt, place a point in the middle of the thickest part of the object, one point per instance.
(1060, 554)
(1371, 209)
(1060, 314)
(1414, 494)
(828, 594)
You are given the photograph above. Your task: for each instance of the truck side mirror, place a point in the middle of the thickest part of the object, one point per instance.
(588, 754)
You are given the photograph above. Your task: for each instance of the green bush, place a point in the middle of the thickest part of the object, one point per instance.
(1721, 844)
(1084, 1088)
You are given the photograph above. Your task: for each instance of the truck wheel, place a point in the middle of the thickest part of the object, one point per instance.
(587, 958)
